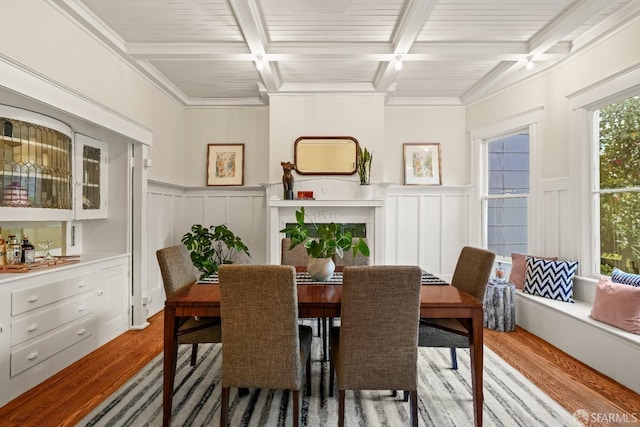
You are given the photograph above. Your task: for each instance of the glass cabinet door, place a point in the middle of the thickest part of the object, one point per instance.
(92, 166)
(35, 166)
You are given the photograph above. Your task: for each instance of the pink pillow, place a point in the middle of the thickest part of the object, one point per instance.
(519, 268)
(617, 305)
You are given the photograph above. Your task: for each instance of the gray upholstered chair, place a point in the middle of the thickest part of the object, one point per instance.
(264, 347)
(178, 273)
(349, 260)
(297, 256)
(376, 345)
(471, 276)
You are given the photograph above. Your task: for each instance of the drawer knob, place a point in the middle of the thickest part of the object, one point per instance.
(33, 298)
(81, 308)
(81, 285)
(33, 355)
(32, 328)
(82, 331)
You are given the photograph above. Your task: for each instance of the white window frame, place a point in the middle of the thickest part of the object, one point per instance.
(479, 151)
(584, 179)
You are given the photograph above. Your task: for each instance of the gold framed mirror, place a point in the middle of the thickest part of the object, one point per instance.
(326, 155)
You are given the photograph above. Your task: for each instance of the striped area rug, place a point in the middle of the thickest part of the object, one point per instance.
(445, 397)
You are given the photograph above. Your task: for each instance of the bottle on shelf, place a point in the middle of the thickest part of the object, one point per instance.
(500, 274)
(3, 252)
(28, 251)
(14, 250)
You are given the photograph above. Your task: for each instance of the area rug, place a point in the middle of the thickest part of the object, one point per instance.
(444, 397)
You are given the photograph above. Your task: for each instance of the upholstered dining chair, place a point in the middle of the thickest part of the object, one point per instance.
(471, 276)
(349, 260)
(297, 256)
(271, 354)
(376, 345)
(178, 273)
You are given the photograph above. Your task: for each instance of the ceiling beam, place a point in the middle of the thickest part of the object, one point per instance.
(413, 20)
(252, 28)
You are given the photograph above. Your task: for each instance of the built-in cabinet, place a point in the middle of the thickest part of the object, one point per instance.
(92, 165)
(48, 320)
(47, 172)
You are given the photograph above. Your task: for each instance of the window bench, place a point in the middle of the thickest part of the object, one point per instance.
(610, 350)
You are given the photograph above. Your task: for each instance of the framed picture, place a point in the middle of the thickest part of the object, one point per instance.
(422, 164)
(225, 164)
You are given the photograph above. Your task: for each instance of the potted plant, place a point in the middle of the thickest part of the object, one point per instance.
(213, 246)
(364, 165)
(329, 241)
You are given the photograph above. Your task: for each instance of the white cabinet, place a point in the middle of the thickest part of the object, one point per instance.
(48, 320)
(90, 177)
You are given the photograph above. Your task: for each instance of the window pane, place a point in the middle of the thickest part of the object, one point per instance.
(509, 165)
(507, 225)
(620, 144)
(620, 232)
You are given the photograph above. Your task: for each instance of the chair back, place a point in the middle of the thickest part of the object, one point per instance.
(176, 269)
(379, 328)
(473, 270)
(349, 260)
(297, 256)
(259, 310)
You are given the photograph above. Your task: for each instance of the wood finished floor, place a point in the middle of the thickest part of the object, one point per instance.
(65, 398)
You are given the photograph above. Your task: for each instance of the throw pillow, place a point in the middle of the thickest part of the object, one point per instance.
(519, 268)
(550, 279)
(619, 276)
(618, 305)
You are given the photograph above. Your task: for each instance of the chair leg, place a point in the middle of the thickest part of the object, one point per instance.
(394, 393)
(319, 326)
(224, 407)
(406, 396)
(340, 408)
(325, 339)
(454, 359)
(414, 407)
(308, 375)
(296, 408)
(331, 377)
(194, 354)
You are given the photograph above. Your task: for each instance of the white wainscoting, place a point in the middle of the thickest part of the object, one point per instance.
(423, 225)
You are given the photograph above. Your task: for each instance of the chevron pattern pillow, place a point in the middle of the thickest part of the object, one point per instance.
(550, 279)
(619, 276)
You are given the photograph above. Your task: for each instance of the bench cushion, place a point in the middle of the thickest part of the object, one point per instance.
(617, 305)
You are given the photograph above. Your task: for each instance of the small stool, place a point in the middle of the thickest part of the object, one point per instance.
(500, 306)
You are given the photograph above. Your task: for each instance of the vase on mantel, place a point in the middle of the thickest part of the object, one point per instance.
(365, 191)
(321, 269)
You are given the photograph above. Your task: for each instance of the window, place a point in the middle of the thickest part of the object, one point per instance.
(506, 193)
(616, 193)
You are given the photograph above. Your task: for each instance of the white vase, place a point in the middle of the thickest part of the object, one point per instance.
(321, 269)
(365, 191)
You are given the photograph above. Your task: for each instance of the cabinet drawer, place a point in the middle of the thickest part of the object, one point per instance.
(25, 357)
(49, 319)
(24, 300)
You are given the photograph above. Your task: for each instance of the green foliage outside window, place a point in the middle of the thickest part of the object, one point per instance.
(619, 184)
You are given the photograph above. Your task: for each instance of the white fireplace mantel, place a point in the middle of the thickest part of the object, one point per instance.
(338, 210)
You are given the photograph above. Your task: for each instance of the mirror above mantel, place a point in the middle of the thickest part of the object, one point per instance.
(326, 155)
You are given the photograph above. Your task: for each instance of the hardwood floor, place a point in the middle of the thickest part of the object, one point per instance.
(68, 396)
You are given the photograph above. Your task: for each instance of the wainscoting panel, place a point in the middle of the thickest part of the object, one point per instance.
(555, 222)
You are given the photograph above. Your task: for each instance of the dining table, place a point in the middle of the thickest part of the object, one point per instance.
(323, 300)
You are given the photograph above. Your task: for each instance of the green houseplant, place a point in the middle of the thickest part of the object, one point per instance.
(329, 240)
(213, 246)
(365, 157)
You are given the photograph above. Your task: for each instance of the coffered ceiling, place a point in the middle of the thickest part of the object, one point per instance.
(238, 52)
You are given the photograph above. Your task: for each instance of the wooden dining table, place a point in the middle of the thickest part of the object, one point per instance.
(323, 300)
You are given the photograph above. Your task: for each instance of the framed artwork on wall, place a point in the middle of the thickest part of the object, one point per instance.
(422, 164)
(225, 164)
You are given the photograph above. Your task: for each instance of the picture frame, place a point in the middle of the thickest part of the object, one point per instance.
(225, 164)
(422, 164)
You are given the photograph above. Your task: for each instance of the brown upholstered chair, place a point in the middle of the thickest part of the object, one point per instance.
(178, 272)
(376, 345)
(349, 260)
(297, 256)
(264, 347)
(471, 276)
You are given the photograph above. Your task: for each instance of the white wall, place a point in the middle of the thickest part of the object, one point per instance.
(37, 35)
(293, 116)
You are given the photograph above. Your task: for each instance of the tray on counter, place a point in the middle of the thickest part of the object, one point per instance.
(39, 265)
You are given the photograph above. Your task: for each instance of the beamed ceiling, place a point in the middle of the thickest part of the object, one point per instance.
(238, 52)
